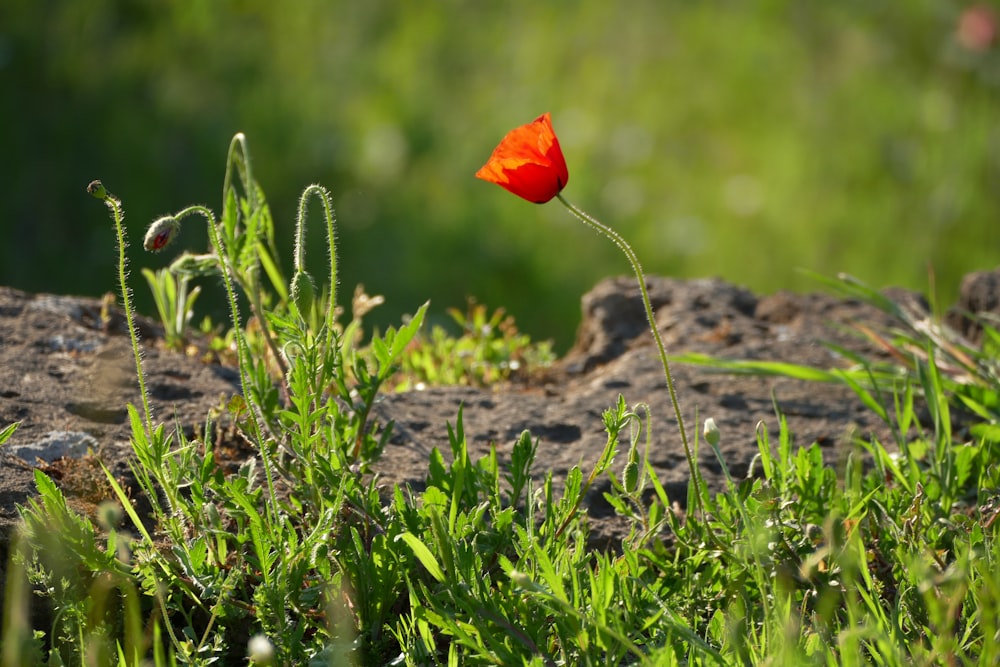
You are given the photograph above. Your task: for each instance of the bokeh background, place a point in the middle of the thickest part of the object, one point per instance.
(733, 139)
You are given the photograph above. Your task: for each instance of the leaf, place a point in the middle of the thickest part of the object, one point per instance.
(272, 271)
(521, 457)
(549, 574)
(987, 432)
(865, 396)
(8, 431)
(423, 554)
(404, 336)
(767, 368)
(127, 505)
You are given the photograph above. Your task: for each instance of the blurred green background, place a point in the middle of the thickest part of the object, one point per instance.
(744, 140)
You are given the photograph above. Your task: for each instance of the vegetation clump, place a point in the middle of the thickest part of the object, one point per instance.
(299, 557)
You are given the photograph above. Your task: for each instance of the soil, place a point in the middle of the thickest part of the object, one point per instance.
(67, 372)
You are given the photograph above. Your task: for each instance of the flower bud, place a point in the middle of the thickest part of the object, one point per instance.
(109, 514)
(711, 432)
(96, 189)
(519, 578)
(630, 477)
(303, 293)
(161, 233)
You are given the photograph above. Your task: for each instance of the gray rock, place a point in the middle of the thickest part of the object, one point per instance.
(53, 445)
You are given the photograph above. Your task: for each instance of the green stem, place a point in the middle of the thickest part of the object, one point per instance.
(238, 160)
(242, 348)
(300, 260)
(596, 224)
(116, 213)
(242, 162)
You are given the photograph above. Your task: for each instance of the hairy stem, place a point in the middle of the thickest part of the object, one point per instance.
(97, 189)
(324, 196)
(596, 224)
(242, 348)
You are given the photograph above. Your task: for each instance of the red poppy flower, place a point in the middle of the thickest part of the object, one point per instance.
(529, 162)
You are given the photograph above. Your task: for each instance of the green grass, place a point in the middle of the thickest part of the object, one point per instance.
(299, 552)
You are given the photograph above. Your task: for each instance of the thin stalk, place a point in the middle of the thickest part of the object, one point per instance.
(300, 254)
(242, 349)
(98, 190)
(238, 157)
(596, 224)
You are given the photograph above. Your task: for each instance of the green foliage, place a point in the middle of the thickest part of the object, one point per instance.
(891, 559)
(174, 299)
(489, 350)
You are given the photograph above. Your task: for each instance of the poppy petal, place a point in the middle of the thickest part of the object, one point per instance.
(528, 162)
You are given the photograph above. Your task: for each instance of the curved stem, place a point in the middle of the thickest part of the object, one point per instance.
(324, 196)
(596, 224)
(242, 349)
(238, 157)
(299, 258)
(243, 166)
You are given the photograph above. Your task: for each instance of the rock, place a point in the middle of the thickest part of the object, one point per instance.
(614, 318)
(67, 373)
(54, 445)
(978, 298)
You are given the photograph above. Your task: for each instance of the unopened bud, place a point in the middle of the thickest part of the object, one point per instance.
(195, 265)
(630, 477)
(711, 432)
(96, 189)
(303, 293)
(109, 514)
(519, 578)
(161, 233)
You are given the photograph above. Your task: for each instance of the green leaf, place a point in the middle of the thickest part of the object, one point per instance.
(406, 332)
(865, 396)
(8, 431)
(552, 578)
(766, 368)
(987, 432)
(127, 505)
(521, 458)
(423, 554)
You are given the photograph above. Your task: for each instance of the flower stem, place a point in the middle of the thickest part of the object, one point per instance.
(596, 224)
(324, 196)
(242, 348)
(115, 206)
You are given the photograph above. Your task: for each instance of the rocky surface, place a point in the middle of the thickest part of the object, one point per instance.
(67, 372)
